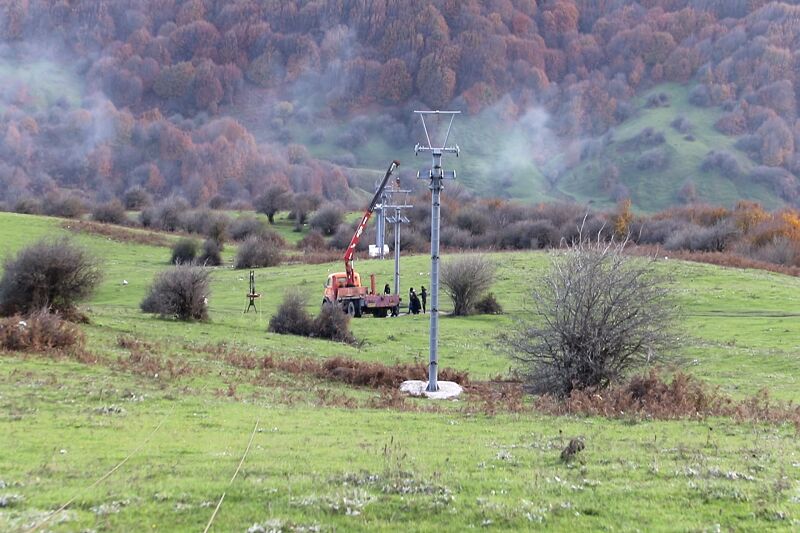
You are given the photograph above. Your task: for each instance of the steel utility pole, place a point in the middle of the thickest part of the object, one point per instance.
(397, 219)
(435, 174)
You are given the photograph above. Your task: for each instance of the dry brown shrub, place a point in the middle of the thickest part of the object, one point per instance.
(141, 360)
(725, 259)
(313, 257)
(38, 332)
(116, 233)
(651, 396)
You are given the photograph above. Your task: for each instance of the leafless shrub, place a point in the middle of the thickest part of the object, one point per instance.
(488, 305)
(653, 159)
(291, 318)
(137, 198)
(28, 206)
(50, 274)
(472, 220)
(184, 251)
(465, 279)
(246, 226)
(332, 324)
(682, 125)
(206, 222)
(655, 231)
(312, 242)
(257, 252)
(39, 331)
(723, 161)
(302, 205)
(326, 219)
(529, 234)
(166, 215)
(596, 314)
(110, 213)
(211, 253)
(63, 205)
(716, 238)
(179, 292)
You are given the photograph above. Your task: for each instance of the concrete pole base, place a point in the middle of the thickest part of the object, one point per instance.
(447, 389)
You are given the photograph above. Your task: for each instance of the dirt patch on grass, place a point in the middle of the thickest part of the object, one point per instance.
(117, 233)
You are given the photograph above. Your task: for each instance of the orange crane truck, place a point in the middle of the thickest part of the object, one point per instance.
(345, 289)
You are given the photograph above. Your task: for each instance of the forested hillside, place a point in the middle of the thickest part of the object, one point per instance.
(662, 101)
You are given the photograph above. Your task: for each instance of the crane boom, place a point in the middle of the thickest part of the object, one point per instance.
(351, 248)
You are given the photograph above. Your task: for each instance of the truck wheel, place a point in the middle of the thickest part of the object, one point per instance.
(351, 308)
(380, 313)
(358, 310)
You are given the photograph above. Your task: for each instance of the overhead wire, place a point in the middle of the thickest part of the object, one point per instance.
(241, 462)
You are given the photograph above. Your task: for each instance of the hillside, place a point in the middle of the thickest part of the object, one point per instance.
(179, 402)
(221, 100)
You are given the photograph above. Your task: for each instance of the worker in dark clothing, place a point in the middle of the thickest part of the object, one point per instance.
(386, 289)
(424, 295)
(414, 305)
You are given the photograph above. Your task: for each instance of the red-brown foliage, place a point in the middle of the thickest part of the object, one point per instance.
(39, 332)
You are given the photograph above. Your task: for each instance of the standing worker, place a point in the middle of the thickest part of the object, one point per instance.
(424, 295)
(387, 289)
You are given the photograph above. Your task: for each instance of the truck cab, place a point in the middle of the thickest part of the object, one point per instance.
(336, 287)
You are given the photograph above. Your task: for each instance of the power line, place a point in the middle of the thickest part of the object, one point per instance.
(219, 503)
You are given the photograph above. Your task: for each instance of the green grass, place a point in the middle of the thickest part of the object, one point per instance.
(653, 190)
(45, 82)
(64, 424)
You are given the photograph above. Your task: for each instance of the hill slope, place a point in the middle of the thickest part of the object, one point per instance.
(129, 446)
(224, 99)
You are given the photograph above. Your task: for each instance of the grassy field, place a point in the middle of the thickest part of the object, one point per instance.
(325, 456)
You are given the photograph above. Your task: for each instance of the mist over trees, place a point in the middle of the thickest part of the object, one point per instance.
(166, 95)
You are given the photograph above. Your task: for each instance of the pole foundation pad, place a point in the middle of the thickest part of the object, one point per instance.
(447, 389)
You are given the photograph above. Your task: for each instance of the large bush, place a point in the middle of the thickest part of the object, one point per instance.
(596, 315)
(184, 251)
(180, 292)
(211, 254)
(258, 252)
(50, 274)
(326, 219)
(246, 226)
(465, 280)
(291, 318)
(111, 212)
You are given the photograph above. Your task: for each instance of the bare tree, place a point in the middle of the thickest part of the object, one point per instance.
(596, 315)
(273, 200)
(465, 279)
